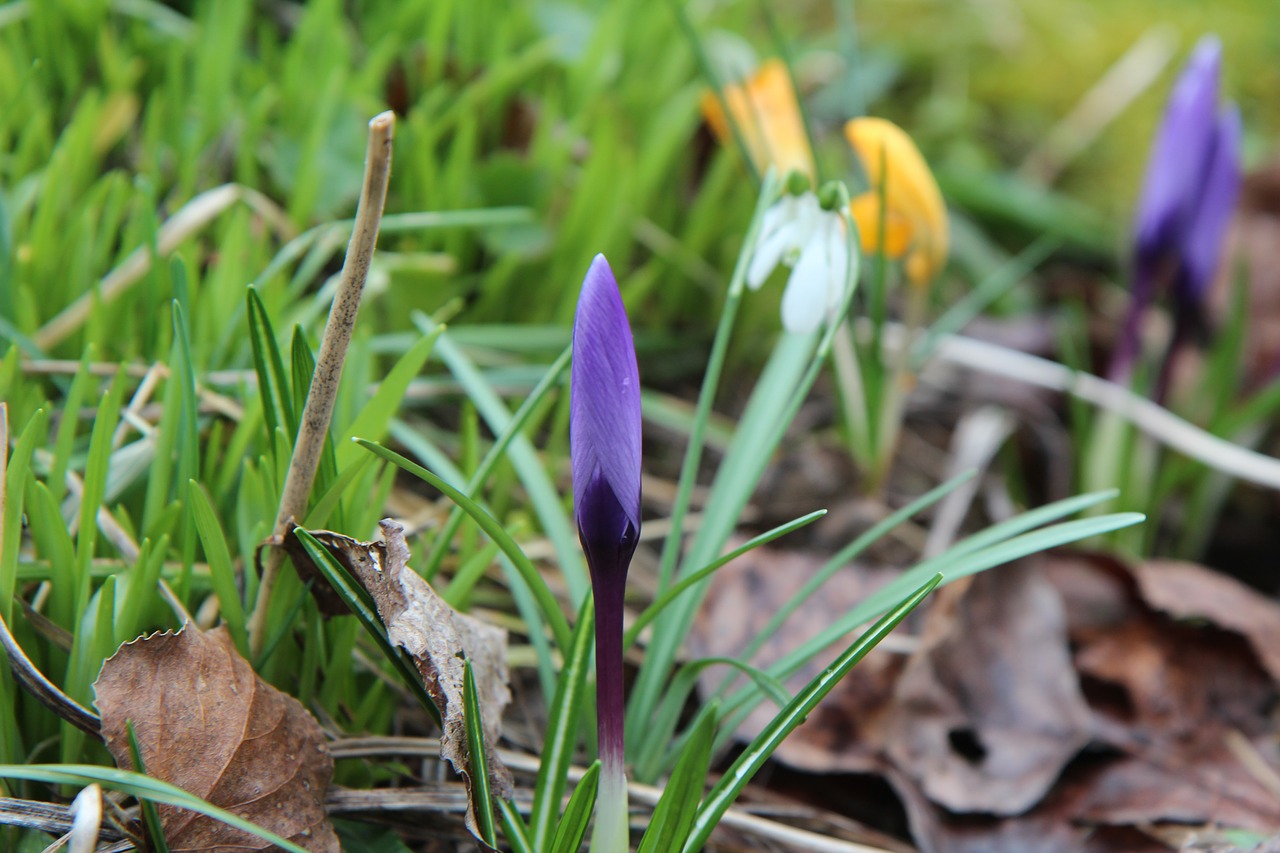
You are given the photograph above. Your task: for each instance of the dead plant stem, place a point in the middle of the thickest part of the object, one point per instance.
(318, 410)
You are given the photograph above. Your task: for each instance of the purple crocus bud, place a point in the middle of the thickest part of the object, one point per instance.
(1209, 220)
(1182, 151)
(604, 447)
(1192, 183)
(604, 426)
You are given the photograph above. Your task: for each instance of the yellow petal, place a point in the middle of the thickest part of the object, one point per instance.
(766, 114)
(892, 160)
(865, 210)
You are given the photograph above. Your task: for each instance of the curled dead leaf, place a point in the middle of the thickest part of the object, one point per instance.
(438, 638)
(1189, 591)
(207, 723)
(990, 711)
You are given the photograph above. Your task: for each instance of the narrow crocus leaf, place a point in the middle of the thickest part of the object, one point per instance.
(604, 448)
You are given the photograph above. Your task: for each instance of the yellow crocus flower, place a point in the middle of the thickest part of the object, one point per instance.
(916, 219)
(764, 110)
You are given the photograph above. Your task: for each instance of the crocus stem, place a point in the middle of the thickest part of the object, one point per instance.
(1183, 331)
(611, 834)
(1127, 345)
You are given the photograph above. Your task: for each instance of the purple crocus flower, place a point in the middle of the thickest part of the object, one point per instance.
(604, 446)
(1192, 183)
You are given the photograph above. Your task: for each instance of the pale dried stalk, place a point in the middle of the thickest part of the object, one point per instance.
(318, 410)
(1158, 422)
(193, 216)
(1164, 426)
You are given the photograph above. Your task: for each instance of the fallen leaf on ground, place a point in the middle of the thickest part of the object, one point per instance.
(989, 712)
(206, 723)
(1170, 655)
(1189, 591)
(438, 638)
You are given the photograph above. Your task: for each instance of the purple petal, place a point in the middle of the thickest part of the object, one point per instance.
(1182, 148)
(1217, 202)
(604, 423)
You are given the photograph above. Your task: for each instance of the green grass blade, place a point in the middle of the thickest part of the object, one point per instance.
(663, 724)
(573, 824)
(66, 436)
(479, 758)
(273, 382)
(141, 787)
(95, 485)
(15, 478)
(651, 612)
(323, 506)
(1013, 549)
(496, 453)
(513, 828)
(150, 815)
(561, 736)
(846, 555)
(303, 363)
(547, 503)
(497, 533)
(758, 751)
(674, 815)
(711, 382)
(222, 572)
(375, 415)
(189, 434)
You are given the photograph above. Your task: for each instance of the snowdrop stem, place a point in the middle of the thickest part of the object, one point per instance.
(853, 395)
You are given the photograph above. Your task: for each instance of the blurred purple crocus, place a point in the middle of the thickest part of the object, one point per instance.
(1192, 183)
(604, 447)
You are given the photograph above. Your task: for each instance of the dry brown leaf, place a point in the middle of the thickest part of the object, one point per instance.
(1201, 783)
(1169, 693)
(206, 723)
(1189, 591)
(438, 638)
(990, 711)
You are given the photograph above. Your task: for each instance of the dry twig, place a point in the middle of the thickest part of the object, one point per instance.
(318, 410)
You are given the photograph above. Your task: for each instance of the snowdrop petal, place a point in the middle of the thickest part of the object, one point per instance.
(770, 251)
(804, 302)
(837, 250)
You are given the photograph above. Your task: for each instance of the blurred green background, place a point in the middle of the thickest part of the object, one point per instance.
(117, 112)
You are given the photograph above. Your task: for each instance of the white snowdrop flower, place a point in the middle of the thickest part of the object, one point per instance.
(797, 232)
